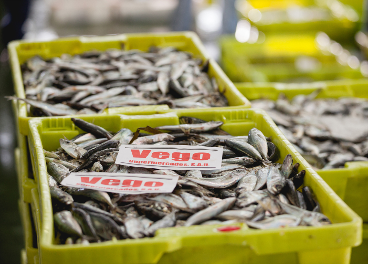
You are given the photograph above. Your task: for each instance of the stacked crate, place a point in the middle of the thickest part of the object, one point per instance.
(196, 244)
(351, 182)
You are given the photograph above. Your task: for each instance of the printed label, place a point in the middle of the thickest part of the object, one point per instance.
(126, 183)
(170, 157)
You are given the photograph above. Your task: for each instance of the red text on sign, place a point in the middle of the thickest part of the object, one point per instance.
(176, 156)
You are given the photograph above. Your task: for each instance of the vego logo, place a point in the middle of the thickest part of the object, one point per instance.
(170, 157)
(122, 182)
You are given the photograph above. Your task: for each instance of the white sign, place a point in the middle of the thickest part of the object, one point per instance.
(170, 157)
(127, 183)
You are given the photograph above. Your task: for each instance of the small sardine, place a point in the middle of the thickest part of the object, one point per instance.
(167, 221)
(279, 221)
(228, 179)
(275, 181)
(210, 212)
(258, 141)
(72, 149)
(66, 223)
(97, 131)
(58, 171)
(243, 147)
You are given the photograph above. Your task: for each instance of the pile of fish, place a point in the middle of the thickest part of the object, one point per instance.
(327, 132)
(249, 187)
(92, 81)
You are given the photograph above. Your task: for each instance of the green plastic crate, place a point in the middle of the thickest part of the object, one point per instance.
(350, 184)
(20, 51)
(31, 250)
(196, 244)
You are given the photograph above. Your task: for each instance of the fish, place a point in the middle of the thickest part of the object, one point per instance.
(275, 181)
(153, 139)
(244, 148)
(249, 189)
(95, 130)
(279, 221)
(68, 165)
(229, 178)
(244, 161)
(210, 211)
(193, 202)
(58, 171)
(287, 166)
(105, 145)
(259, 142)
(239, 215)
(134, 228)
(261, 178)
(83, 83)
(54, 110)
(192, 128)
(172, 200)
(247, 183)
(85, 222)
(60, 195)
(105, 227)
(314, 127)
(66, 223)
(248, 198)
(94, 194)
(168, 221)
(72, 149)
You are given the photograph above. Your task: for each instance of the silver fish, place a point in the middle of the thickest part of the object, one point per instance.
(210, 211)
(194, 203)
(258, 141)
(279, 221)
(67, 224)
(244, 147)
(228, 178)
(72, 149)
(275, 181)
(167, 221)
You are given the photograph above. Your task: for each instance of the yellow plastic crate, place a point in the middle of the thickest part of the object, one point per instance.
(359, 254)
(280, 48)
(329, 89)
(20, 51)
(26, 181)
(30, 238)
(196, 244)
(23, 257)
(341, 29)
(350, 184)
(276, 58)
